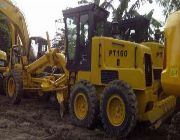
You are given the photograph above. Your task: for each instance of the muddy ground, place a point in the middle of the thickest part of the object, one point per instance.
(35, 119)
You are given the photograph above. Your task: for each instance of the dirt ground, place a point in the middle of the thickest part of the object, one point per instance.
(34, 119)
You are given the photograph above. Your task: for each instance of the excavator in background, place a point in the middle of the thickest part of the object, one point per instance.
(99, 76)
(4, 44)
(28, 59)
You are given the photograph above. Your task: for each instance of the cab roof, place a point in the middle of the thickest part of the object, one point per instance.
(85, 8)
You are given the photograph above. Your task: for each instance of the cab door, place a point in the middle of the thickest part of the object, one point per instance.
(78, 42)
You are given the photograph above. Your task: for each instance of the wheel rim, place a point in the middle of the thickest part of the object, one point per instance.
(11, 86)
(116, 110)
(80, 106)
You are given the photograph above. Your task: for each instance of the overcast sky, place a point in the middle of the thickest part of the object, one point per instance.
(41, 14)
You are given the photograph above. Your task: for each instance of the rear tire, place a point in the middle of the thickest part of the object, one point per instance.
(14, 87)
(83, 105)
(118, 109)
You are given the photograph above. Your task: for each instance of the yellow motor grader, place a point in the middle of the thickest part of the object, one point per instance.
(100, 76)
(110, 77)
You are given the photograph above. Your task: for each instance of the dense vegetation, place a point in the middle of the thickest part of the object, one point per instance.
(128, 9)
(5, 40)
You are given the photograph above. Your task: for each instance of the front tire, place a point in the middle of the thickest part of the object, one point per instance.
(83, 105)
(118, 109)
(14, 87)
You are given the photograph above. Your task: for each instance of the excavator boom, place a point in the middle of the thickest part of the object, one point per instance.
(15, 16)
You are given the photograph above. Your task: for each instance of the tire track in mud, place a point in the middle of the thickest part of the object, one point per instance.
(27, 120)
(33, 120)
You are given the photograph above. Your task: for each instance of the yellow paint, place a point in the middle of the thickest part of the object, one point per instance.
(160, 109)
(60, 97)
(173, 72)
(116, 111)
(11, 86)
(157, 50)
(3, 55)
(130, 70)
(170, 76)
(80, 106)
(16, 17)
(105, 60)
(3, 58)
(127, 58)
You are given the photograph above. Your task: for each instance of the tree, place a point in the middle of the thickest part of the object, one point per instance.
(126, 11)
(5, 38)
(123, 10)
(87, 2)
(59, 39)
(169, 6)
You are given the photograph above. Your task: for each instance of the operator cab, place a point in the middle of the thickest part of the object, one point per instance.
(81, 24)
(37, 48)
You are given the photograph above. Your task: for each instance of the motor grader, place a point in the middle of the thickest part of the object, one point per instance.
(110, 77)
(101, 76)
